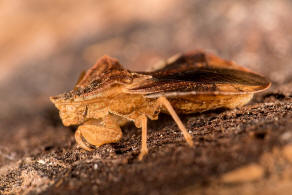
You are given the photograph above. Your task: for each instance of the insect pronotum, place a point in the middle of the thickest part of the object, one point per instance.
(107, 96)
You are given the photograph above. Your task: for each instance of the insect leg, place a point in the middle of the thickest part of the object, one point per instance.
(175, 117)
(144, 149)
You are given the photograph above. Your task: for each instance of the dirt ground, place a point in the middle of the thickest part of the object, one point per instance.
(242, 151)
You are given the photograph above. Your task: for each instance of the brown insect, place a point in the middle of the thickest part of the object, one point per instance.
(107, 96)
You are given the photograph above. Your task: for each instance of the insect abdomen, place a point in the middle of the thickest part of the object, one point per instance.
(200, 103)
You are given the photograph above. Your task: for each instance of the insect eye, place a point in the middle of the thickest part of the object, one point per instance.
(70, 108)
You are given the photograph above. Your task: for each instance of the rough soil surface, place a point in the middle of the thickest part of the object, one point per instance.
(242, 151)
(255, 137)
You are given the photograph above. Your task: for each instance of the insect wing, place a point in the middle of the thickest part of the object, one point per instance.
(200, 73)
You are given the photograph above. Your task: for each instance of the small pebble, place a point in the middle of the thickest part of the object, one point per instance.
(41, 161)
(287, 152)
(286, 136)
(244, 174)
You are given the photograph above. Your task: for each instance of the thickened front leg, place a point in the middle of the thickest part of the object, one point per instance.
(94, 133)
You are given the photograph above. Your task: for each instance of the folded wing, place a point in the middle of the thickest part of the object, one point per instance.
(200, 73)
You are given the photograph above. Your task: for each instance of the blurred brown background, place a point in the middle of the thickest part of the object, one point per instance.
(44, 45)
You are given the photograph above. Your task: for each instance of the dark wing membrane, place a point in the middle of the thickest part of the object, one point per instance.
(194, 74)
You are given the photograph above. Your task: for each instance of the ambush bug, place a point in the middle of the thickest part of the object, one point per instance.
(107, 96)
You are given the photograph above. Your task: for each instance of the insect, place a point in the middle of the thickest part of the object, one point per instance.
(107, 96)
